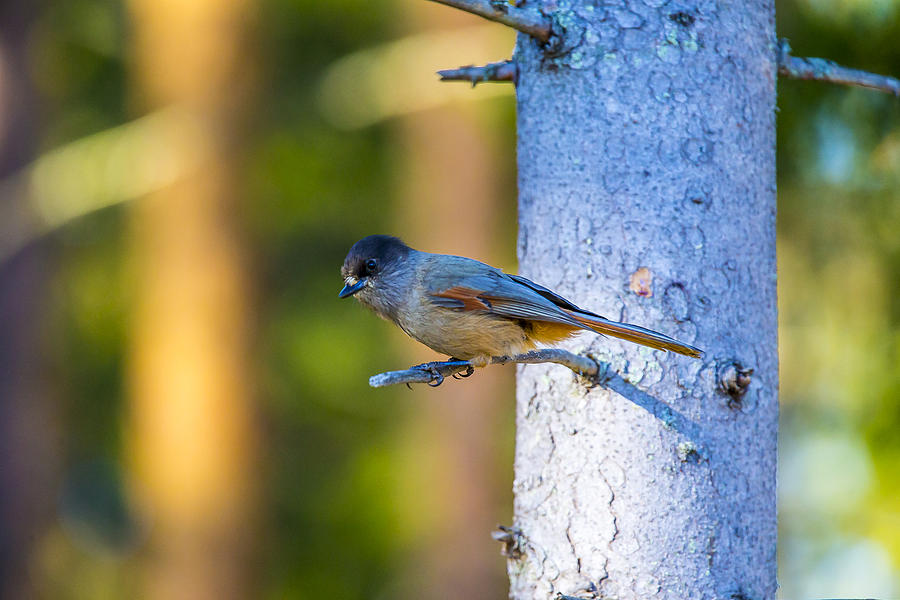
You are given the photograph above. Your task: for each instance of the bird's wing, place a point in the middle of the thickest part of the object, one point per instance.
(470, 285)
(548, 294)
(474, 286)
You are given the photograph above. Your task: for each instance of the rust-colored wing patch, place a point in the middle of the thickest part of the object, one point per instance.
(465, 298)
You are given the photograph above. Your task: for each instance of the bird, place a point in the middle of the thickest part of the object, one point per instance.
(470, 310)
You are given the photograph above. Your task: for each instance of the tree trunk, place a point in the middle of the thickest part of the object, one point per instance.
(647, 193)
(192, 434)
(461, 429)
(29, 436)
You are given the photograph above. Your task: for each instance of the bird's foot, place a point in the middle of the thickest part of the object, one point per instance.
(463, 374)
(432, 367)
(437, 378)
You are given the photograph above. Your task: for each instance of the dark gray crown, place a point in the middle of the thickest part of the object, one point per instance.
(385, 249)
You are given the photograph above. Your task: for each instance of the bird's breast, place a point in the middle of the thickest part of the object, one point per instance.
(464, 334)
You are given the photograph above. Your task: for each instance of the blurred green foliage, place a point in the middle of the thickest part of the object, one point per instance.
(839, 279)
(337, 524)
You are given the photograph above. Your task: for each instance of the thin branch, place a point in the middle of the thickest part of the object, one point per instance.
(597, 372)
(821, 69)
(436, 371)
(499, 71)
(526, 20)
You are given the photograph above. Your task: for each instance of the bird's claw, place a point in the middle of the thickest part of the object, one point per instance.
(462, 374)
(436, 377)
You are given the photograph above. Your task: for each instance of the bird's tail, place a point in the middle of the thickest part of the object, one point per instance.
(635, 334)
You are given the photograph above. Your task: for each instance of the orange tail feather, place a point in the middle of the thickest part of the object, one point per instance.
(635, 334)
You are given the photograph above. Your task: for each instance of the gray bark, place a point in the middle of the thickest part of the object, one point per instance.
(649, 141)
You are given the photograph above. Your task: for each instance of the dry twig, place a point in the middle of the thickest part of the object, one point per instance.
(821, 69)
(434, 373)
(526, 20)
(499, 71)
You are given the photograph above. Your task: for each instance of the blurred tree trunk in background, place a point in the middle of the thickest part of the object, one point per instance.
(192, 435)
(450, 204)
(28, 444)
(647, 190)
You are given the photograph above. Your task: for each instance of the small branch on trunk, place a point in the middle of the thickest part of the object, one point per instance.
(513, 541)
(435, 372)
(822, 69)
(526, 20)
(499, 71)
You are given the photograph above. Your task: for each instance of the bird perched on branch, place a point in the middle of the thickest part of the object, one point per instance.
(469, 310)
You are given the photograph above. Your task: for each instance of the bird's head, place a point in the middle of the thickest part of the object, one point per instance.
(370, 261)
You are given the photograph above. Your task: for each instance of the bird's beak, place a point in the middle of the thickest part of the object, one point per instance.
(351, 288)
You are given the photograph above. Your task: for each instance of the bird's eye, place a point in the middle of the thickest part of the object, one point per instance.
(371, 266)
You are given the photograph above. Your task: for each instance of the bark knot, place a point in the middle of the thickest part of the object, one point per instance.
(512, 540)
(733, 379)
(685, 19)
